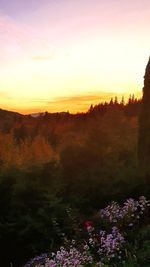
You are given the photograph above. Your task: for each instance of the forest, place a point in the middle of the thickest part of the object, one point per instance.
(57, 170)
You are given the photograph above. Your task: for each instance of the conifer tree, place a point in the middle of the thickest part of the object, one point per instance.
(144, 125)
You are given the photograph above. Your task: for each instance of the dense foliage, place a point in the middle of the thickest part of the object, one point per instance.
(57, 170)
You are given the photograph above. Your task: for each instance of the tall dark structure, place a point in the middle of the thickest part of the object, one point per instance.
(144, 125)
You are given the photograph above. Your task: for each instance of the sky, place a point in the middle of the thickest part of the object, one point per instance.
(63, 55)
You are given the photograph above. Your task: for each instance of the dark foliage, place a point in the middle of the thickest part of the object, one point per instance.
(144, 125)
(58, 169)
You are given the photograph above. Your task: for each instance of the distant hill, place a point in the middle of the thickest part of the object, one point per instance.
(4, 113)
(130, 108)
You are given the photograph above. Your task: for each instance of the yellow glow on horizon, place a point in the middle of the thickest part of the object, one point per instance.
(94, 51)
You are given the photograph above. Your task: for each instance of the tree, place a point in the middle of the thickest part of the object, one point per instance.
(144, 125)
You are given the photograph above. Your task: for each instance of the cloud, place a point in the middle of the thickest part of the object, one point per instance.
(12, 29)
(16, 40)
(42, 58)
(13, 32)
(81, 99)
(38, 101)
(73, 99)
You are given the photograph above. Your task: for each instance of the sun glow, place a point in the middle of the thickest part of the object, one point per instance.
(83, 54)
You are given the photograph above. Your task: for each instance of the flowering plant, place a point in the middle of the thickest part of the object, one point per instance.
(105, 246)
(127, 215)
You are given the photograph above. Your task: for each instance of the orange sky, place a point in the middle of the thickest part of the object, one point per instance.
(66, 54)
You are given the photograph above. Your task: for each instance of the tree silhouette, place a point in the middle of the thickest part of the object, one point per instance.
(144, 125)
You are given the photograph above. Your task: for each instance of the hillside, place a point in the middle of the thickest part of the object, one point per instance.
(60, 161)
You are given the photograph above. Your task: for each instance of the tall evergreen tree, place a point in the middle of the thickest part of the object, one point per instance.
(144, 125)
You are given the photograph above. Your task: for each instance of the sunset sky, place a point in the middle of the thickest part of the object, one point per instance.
(60, 55)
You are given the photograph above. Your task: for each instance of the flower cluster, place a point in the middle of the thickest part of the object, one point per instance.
(128, 214)
(107, 246)
(99, 247)
(70, 258)
(111, 213)
(63, 258)
(111, 244)
(37, 261)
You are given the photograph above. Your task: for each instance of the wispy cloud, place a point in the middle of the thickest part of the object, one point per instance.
(42, 57)
(80, 99)
(74, 99)
(23, 37)
(12, 28)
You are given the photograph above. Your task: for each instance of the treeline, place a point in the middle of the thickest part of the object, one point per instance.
(58, 169)
(130, 107)
(27, 141)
